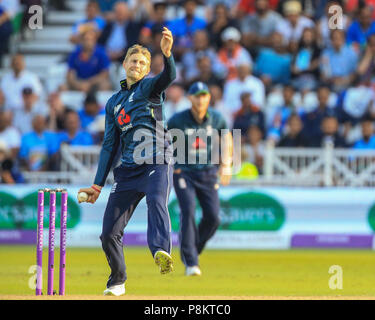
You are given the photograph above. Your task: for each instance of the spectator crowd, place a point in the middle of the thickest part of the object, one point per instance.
(297, 73)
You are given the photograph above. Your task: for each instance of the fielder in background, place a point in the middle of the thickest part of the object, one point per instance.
(135, 110)
(199, 180)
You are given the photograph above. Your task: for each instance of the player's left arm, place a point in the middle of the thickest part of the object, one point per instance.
(166, 77)
(107, 154)
(226, 150)
(225, 169)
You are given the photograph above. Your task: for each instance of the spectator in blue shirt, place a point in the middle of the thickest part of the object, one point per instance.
(368, 137)
(106, 8)
(90, 111)
(339, 63)
(359, 31)
(120, 34)
(88, 66)
(273, 64)
(157, 21)
(183, 29)
(93, 21)
(39, 147)
(282, 114)
(306, 60)
(313, 120)
(73, 135)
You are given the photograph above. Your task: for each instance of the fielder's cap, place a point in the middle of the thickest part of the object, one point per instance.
(27, 90)
(292, 7)
(231, 33)
(198, 88)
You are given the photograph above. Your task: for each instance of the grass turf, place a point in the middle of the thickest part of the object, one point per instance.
(226, 273)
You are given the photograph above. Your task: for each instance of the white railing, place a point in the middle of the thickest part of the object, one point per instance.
(282, 166)
(319, 166)
(80, 159)
(78, 166)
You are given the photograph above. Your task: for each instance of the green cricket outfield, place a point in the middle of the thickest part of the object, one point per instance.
(227, 274)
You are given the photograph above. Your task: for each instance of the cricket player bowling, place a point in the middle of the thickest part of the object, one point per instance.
(136, 108)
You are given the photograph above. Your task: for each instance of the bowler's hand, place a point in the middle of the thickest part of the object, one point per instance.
(93, 194)
(225, 174)
(166, 42)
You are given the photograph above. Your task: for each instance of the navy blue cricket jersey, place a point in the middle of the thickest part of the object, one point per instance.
(135, 110)
(197, 146)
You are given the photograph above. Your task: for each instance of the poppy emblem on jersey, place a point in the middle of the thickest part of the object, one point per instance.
(199, 144)
(123, 118)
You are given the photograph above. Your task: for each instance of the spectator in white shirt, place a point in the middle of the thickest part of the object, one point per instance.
(200, 47)
(232, 52)
(358, 100)
(22, 119)
(294, 23)
(258, 27)
(15, 81)
(9, 134)
(12, 7)
(245, 82)
(176, 100)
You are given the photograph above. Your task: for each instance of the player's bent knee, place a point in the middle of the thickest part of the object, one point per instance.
(216, 222)
(156, 200)
(213, 221)
(110, 238)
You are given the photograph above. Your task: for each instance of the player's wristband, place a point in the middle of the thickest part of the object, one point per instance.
(96, 189)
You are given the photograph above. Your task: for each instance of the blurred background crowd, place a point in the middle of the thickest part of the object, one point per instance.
(276, 69)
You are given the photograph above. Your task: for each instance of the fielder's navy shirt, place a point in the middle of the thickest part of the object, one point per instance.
(131, 113)
(200, 145)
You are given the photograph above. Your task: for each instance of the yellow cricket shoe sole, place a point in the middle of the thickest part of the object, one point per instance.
(164, 261)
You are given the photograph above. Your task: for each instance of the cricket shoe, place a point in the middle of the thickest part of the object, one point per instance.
(164, 261)
(193, 271)
(117, 290)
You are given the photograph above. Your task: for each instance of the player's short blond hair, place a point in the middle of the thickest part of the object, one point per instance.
(137, 48)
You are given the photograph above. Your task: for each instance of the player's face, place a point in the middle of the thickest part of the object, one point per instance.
(200, 102)
(136, 66)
